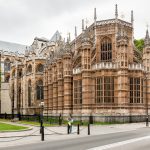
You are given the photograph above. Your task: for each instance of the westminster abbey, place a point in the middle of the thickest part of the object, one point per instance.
(100, 72)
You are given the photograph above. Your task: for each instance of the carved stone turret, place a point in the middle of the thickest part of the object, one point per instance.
(147, 39)
(87, 81)
(122, 45)
(146, 51)
(86, 52)
(67, 72)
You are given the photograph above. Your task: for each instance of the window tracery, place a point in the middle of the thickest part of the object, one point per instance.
(106, 50)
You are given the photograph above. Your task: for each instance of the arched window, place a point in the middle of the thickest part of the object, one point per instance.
(29, 70)
(6, 65)
(40, 68)
(29, 92)
(39, 90)
(106, 50)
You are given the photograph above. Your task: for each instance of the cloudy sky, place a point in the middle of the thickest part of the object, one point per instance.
(22, 20)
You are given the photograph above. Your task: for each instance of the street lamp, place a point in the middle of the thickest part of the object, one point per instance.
(41, 126)
(41, 105)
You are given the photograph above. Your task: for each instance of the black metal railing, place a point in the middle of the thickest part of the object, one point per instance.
(60, 119)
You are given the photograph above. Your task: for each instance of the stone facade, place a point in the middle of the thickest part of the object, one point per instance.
(25, 77)
(100, 72)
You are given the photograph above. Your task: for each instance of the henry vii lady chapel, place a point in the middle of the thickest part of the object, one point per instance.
(100, 72)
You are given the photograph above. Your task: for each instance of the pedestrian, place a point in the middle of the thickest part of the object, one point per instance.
(70, 121)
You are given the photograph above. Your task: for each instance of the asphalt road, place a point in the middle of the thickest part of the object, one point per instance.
(85, 142)
(139, 145)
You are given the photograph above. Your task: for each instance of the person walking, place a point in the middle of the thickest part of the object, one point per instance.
(70, 121)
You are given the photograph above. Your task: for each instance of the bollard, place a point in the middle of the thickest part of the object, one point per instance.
(42, 134)
(78, 129)
(147, 122)
(41, 125)
(88, 129)
(68, 129)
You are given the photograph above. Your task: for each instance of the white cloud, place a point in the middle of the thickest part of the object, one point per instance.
(22, 20)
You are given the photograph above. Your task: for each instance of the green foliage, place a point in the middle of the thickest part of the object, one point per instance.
(139, 44)
(9, 127)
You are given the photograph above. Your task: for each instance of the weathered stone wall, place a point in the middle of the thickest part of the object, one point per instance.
(5, 99)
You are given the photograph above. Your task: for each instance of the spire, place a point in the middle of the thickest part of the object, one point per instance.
(67, 47)
(82, 24)
(95, 16)
(75, 32)
(116, 11)
(75, 38)
(147, 34)
(69, 37)
(147, 39)
(132, 18)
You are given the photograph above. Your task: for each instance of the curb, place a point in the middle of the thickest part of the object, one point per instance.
(27, 128)
(6, 131)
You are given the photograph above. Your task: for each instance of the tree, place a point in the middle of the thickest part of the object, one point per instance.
(139, 44)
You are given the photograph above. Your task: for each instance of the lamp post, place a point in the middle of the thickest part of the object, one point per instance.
(41, 113)
(41, 122)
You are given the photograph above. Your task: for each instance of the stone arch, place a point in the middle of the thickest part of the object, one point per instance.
(6, 65)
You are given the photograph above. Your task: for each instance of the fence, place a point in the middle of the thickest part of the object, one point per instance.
(60, 119)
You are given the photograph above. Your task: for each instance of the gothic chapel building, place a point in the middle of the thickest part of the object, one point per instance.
(99, 73)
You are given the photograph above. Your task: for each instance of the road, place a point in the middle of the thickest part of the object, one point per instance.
(139, 145)
(84, 143)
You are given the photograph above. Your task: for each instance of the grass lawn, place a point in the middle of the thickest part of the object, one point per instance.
(9, 127)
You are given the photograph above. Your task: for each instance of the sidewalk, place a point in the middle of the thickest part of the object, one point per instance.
(60, 133)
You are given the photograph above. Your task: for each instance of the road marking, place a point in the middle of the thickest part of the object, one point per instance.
(104, 147)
